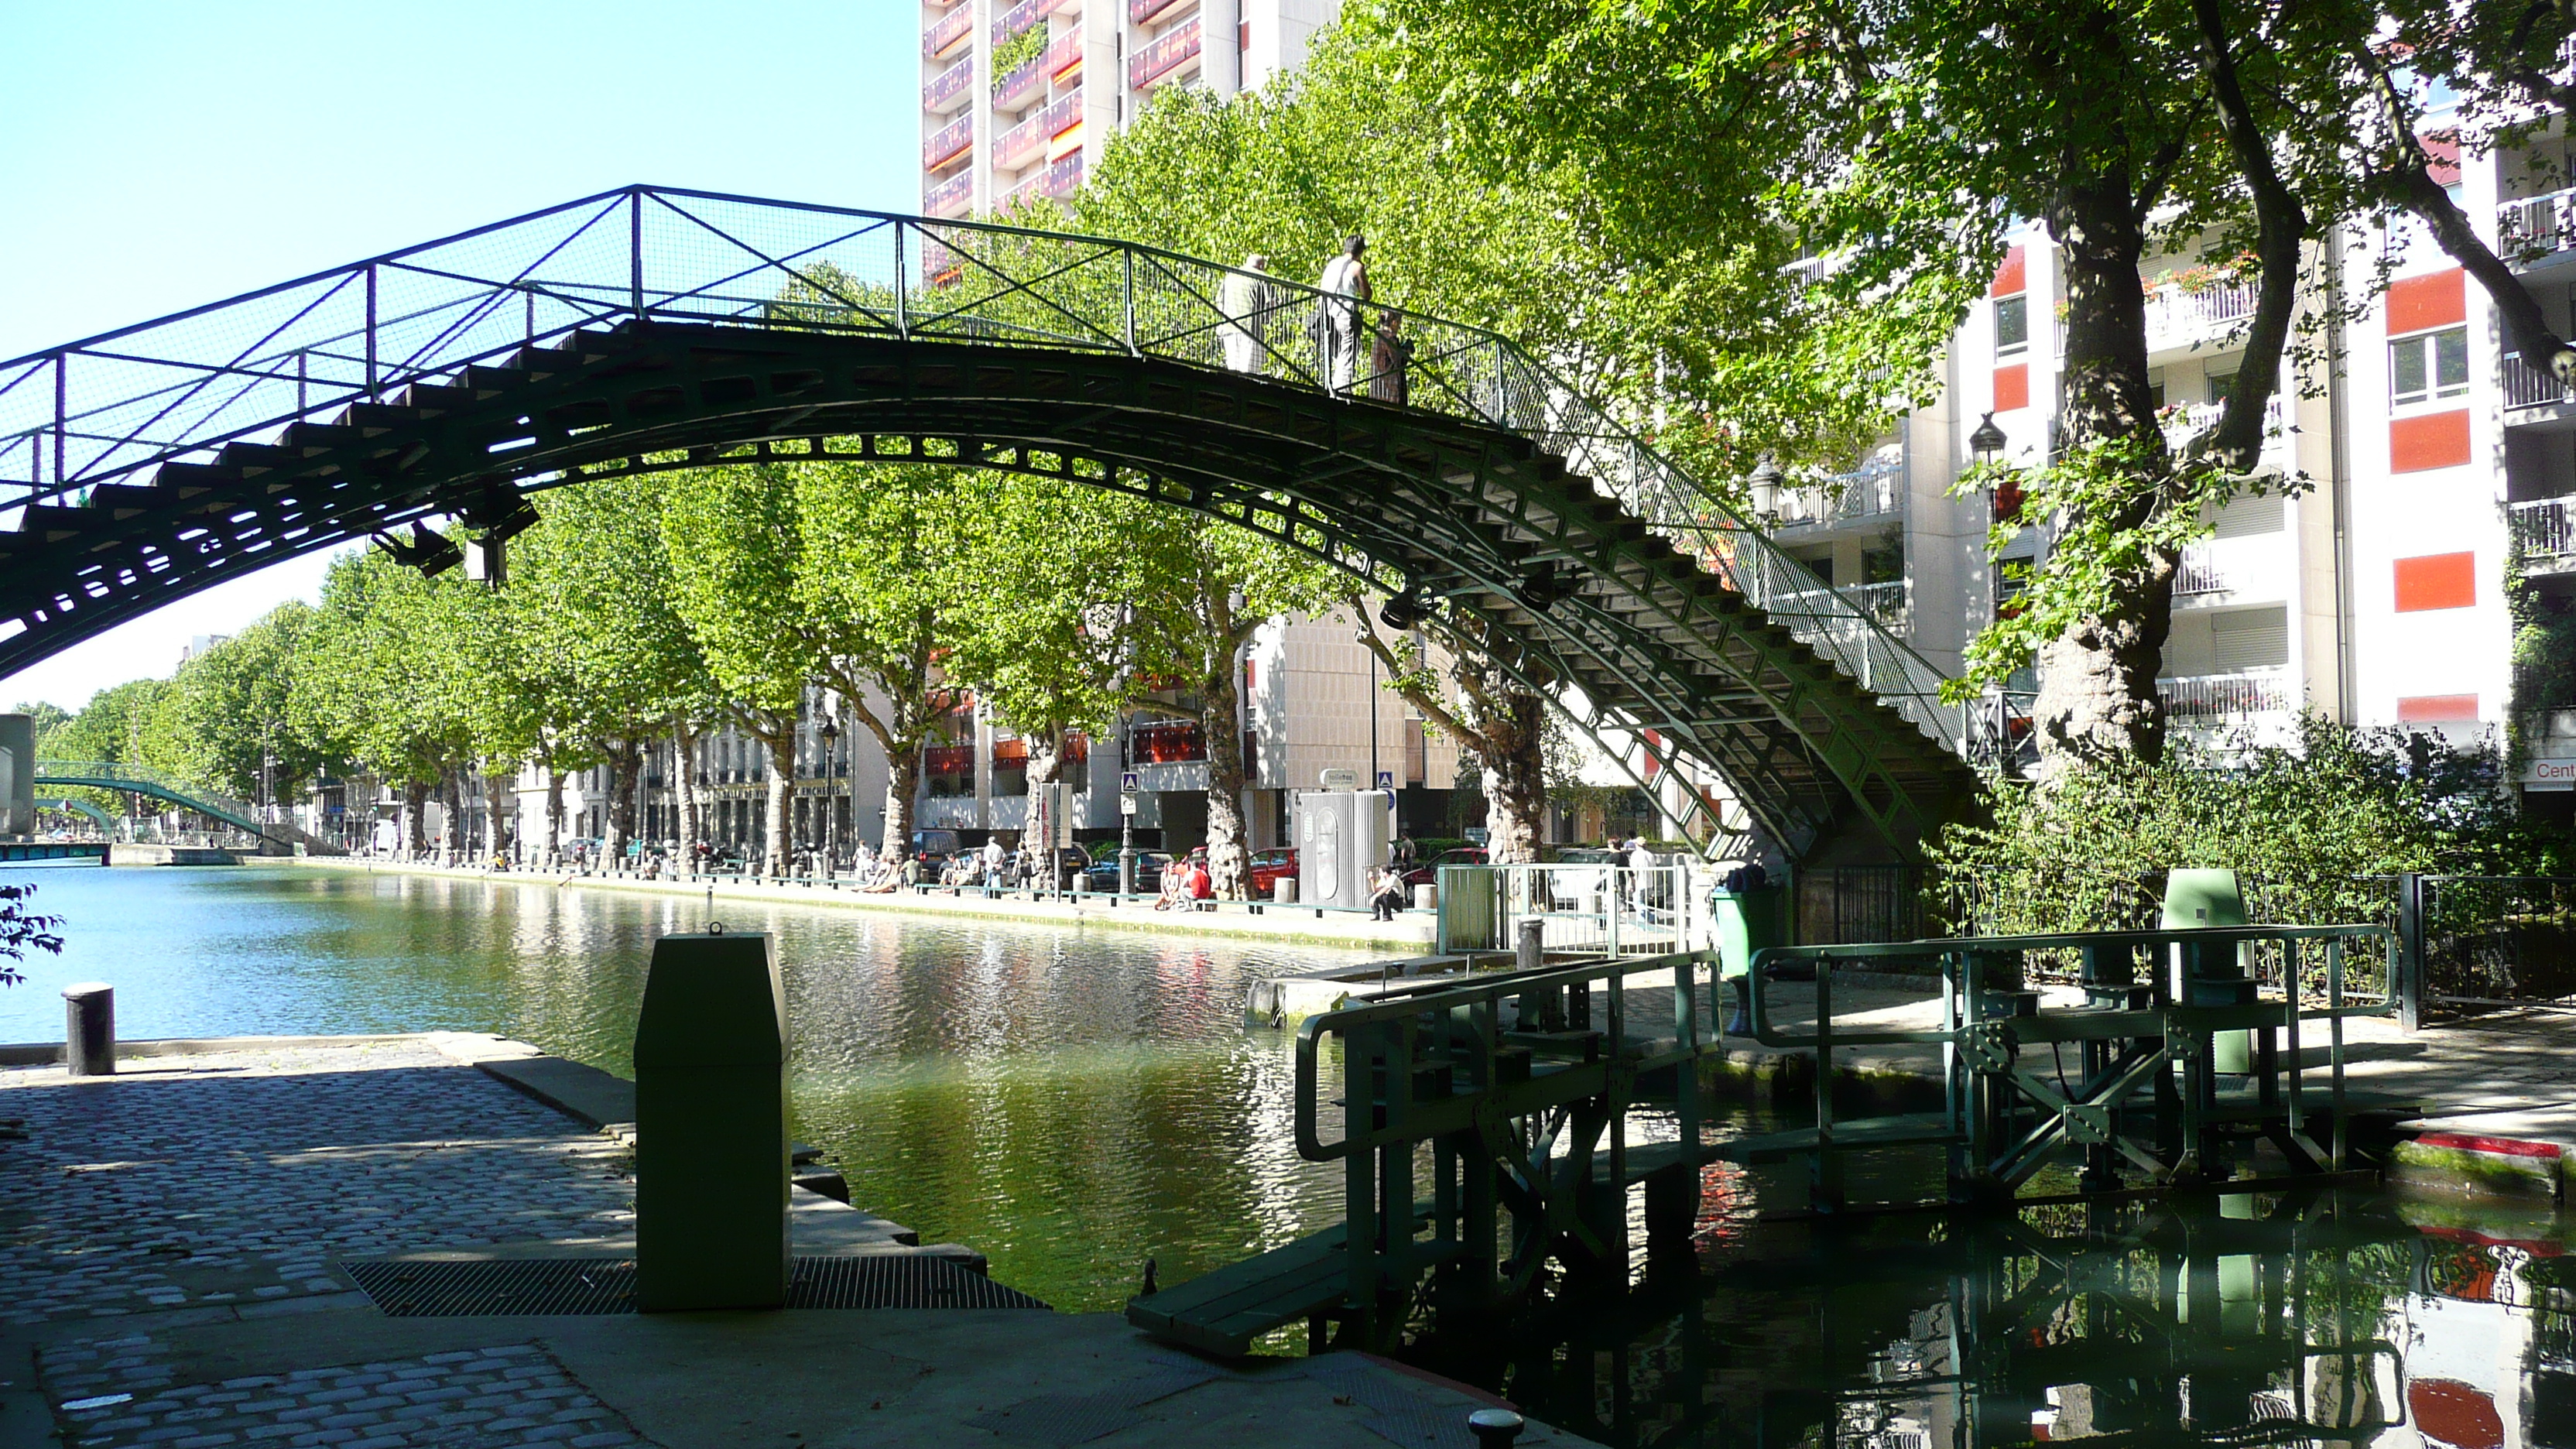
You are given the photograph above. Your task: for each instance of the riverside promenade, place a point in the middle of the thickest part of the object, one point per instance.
(1410, 933)
(177, 1246)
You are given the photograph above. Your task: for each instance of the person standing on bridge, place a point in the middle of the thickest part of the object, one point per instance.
(1345, 285)
(1388, 355)
(1247, 301)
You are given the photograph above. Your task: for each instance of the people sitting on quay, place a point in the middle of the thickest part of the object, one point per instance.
(1386, 892)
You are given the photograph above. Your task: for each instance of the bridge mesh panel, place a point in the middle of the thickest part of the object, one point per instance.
(417, 1289)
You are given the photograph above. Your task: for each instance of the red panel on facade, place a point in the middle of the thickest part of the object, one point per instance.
(2013, 276)
(2437, 581)
(2012, 387)
(2434, 440)
(2436, 299)
(2438, 709)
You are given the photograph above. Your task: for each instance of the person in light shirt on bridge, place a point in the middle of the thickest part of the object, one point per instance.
(1345, 284)
(1247, 301)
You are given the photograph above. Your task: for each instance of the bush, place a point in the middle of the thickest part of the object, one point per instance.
(2308, 825)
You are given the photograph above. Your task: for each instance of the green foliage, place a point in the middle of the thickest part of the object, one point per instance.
(2310, 819)
(109, 728)
(233, 705)
(596, 646)
(1699, 336)
(23, 930)
(386, 679)
(1018, 51)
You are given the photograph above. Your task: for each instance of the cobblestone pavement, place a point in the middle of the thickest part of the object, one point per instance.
(124, 1391)
(237, 1177)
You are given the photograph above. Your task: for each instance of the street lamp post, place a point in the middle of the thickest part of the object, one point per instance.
(830, 730)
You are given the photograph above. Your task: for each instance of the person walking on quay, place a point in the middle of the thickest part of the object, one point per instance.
(1246, 302)
(1345, 285)
(1388, 356)
(994, 858)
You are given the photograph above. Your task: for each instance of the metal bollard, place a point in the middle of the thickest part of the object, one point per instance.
(1533, 946)
(1494, 1428)
(89, 1029)
(711, 1154)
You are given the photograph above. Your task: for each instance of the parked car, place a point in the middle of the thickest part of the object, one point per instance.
(1102, 876)
(1428, 873)
(933, 848)
(1269, 867)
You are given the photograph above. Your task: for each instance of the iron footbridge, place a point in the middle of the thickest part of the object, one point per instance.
(652, 328)
(141, 780)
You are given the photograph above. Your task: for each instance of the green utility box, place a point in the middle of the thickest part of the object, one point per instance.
(2213, 975)
(711, 1151)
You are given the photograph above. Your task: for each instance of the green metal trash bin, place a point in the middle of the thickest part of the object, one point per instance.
(1746, 921)
(711, 1151)
(2213, 975)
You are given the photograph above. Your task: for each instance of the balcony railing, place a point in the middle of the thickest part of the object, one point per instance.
(947, 30)
(1030, 137)
(2186, 421)
(949, 142)
(2529, 387)
(947, 90)
(2207, 699)
(1875, 490)
(1020, 17)
(1061, 178)
(2178, 316)
(1031, 79)
(1164, 56)
(1171, 742)
(952, 197)
(2536, 226)
(2198, 573)
(2544, 527)
(1890, 603)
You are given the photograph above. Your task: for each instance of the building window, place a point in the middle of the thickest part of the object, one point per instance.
(2012, 324)
(2429, 366)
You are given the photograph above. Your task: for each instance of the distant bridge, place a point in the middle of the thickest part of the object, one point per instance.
(652, 328)
(136, 779)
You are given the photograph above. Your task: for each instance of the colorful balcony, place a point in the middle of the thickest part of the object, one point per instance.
(1164, 56)
(1025, 141)
(1060, 179)
(952, 197)
(947, 90)
(949, 29)
(952, 141)
(1143, 12)
(1020, 17)
(1062, 62)
(1168, 742)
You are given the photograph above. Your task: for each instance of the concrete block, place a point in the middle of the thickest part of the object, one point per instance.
(2478, 1166)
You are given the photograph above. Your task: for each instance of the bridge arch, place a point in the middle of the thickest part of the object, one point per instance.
(648, 329)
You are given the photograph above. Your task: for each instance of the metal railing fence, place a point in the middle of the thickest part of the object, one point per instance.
(2543, 527)
(114, 406)
(1609, 910)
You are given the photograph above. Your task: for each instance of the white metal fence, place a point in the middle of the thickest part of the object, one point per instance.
(1609, 910)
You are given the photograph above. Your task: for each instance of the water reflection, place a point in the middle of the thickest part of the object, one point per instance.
(2337, 1318)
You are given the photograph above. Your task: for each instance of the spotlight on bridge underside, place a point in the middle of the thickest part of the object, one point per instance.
(1402, 612)
(431, 552)
(1541, 587)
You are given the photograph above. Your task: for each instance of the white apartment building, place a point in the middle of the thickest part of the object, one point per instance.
(1017, 99)
(2434, 463)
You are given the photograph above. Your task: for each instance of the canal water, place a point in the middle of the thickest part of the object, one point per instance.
(1072, 1102)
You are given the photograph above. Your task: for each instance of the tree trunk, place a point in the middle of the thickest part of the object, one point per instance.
(617, 800)
(451, 828)
(903, 780)
(691, 829)
(1221, 721)
(493, 835)
(416, 817)
(782, 798)
(554, 814)
(1512, 751)
(2097, 681)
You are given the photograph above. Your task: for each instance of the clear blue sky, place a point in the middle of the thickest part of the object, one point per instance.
(163, 155)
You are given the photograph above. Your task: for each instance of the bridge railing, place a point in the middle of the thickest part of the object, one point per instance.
(112, 407)
(239, 814)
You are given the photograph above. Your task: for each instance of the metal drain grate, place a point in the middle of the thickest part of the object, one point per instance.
(420, 1289)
